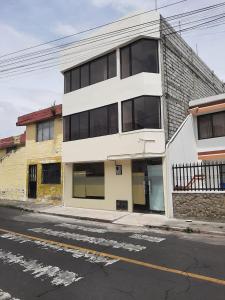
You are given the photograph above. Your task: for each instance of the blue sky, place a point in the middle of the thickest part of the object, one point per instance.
(25, 23)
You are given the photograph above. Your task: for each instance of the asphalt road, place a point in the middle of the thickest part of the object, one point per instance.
(45, 257)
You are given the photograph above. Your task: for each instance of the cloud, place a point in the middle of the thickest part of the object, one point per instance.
(23, 94)
(64, 29)
(124, 5)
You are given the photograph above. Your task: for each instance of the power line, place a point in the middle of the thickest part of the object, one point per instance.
(184, 29)
(90, 38)
(90, 29)
(102, 38)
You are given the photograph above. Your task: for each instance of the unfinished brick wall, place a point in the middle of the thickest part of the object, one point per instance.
(185, 77)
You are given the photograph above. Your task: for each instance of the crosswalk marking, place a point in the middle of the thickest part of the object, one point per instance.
(90, 239)
(148, 238)
(6, 296)
(92, 258)
(83, 228)
(58, 277)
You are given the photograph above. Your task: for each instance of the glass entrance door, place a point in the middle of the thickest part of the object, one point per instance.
(155, 187)
(147, 185)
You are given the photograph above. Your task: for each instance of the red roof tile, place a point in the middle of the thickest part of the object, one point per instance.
(40, 115)
(13, 141)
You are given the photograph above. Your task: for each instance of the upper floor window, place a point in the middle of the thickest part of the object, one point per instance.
(141, 112)
(140, 56)
(211, 125)
(45, 131)
(96, 122)
(97, 70)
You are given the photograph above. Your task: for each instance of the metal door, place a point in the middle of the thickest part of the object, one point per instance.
(32, 182)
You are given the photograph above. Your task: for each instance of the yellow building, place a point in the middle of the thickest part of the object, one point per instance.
(33, 170)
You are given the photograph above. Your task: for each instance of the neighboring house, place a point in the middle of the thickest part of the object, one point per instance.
(125, 97)
(11, 144)
(34, 171)
(197, 154)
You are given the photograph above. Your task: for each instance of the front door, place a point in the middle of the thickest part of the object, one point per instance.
(32, 182)
(147, 185)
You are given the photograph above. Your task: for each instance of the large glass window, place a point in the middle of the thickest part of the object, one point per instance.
(211, 125)
(92, 72)
(141, 112)
(51, 173)
(88, 181)
(140, 56)
(45, 131)
(96, 122)
(98, 70)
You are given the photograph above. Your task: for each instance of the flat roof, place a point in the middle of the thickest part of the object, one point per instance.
(207, 101)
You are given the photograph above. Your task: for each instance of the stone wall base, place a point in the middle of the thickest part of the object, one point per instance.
(199, 206)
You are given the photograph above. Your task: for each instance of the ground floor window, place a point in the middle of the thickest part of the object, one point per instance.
(51, 173)
(88, 180)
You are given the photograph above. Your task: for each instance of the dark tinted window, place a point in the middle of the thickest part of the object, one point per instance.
(75, 127)
(125, 62)
(144, 55)
(98, 70)
(112, 65)
(84, 125)
(146, 112)
(51, 173)
(75, 79)
(141, 112)
(127, 115)
(112, 119)
(219, 124)
(45, 131)
(98, 122)
(91, 72)
(140, 56)
(66, 128)
(67, 82)
(84, 75)
(211, 125)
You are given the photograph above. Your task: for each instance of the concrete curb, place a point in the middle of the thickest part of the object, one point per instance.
(187, 229)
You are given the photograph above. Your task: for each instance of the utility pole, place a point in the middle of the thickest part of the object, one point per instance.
(156, 5)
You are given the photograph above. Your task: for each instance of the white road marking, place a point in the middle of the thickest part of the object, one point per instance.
(6, 296)
(106, 261)
(89, 239)
(58, 276)
(83, 228)
(147, 238)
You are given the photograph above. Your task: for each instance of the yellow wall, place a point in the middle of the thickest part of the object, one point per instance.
(2, 152)
(117, 187)
(13, 175)
(14, 168)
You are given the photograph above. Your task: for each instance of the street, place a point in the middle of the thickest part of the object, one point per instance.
(47, 257)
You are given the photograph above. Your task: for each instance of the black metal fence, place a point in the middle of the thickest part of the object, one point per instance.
(199, 177)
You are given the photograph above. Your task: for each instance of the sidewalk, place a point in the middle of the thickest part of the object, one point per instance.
(122, 218)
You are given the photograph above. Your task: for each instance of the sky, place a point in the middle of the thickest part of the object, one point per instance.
(24, 23)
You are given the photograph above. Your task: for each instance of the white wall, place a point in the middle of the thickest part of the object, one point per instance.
(84, 50)
(136, 144)
(181, 149)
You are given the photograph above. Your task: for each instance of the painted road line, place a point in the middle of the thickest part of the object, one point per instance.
(6, 296)
(82, 228)
(148, 238)
(89, 239)
(58, 276)
(126, 259)
(89, 257)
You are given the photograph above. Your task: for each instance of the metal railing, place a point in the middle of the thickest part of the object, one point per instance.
(199, 176)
